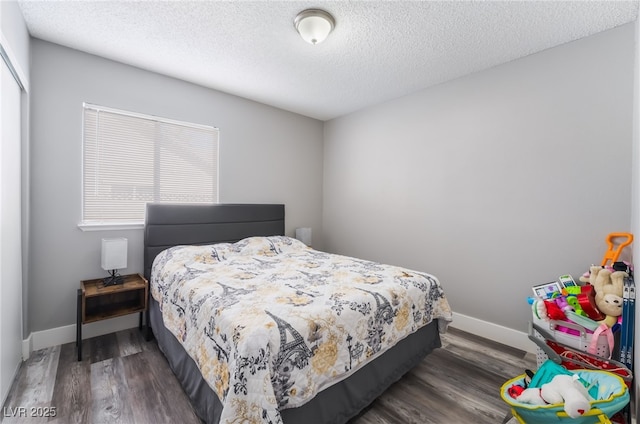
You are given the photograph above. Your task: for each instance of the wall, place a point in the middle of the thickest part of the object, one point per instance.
(266, 155)
(15, 37)
(635, 196)
(493, 182)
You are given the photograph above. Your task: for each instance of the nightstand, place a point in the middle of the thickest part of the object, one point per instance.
(97, 302)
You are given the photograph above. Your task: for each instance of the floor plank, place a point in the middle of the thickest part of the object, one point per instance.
(102, 347)
(123, 378)
(128, 342)
(71, 396)
(36, 378)
(110, 393)
(172, 392)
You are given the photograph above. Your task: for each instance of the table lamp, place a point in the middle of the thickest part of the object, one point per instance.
(304, 235)
(114, 257)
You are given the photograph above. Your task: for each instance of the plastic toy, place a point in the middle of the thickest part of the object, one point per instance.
(577, 308)
(553, 310)
(613, 254)
(572, 290)
(564, 306)
(583, 321)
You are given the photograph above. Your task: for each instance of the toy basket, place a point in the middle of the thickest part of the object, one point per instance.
(573, 359)
(579, 339)
(613, 395)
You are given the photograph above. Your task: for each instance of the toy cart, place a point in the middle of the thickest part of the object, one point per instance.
(606, 410)
(572, 358)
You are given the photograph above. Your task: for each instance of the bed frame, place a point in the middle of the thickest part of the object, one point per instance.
(169, 225)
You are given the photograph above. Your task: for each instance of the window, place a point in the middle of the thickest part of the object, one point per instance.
(131, 159)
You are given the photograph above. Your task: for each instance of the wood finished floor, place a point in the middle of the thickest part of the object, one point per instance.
(123, 379)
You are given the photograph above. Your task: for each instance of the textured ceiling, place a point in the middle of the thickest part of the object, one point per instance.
(379, 50)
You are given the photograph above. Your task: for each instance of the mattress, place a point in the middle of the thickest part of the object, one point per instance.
(270, 325)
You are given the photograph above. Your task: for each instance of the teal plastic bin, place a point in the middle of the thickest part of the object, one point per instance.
(613, 395)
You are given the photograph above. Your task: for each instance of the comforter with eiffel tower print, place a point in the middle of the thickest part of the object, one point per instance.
(270, 322)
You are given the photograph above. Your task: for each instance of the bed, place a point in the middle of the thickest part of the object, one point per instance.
(302, 366)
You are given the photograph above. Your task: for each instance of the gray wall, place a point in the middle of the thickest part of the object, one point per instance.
(266, 155)
(493, 182)
(635, 209)
(14, 31)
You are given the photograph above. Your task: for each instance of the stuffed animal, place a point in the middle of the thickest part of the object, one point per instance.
(586, 277)
(609, 287)
(547, 309)
(590, 276)
(539, 309)
(561, 389)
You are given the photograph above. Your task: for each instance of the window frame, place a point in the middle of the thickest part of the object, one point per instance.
(95, 225)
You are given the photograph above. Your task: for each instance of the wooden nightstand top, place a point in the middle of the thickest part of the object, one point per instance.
(95, 287)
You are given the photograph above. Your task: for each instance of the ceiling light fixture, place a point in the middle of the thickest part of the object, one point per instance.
(314, 25)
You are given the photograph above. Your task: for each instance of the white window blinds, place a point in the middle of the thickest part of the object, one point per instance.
(131, 159)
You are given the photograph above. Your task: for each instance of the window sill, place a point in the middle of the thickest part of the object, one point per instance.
(97, 226)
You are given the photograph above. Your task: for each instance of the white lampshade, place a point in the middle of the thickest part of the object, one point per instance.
(304, 235)
(314, 25)
(114, 253)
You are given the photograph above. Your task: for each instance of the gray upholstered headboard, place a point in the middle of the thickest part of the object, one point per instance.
(169, 225)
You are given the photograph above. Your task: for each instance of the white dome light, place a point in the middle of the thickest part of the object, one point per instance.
(314, 25)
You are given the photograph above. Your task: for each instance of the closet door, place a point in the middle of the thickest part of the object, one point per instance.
(10, 230)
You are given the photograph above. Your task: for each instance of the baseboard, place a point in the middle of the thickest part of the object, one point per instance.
(495, 332)
(56, 336)
(27, 347)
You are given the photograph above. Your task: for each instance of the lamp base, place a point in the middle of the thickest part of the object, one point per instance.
(113, 279)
